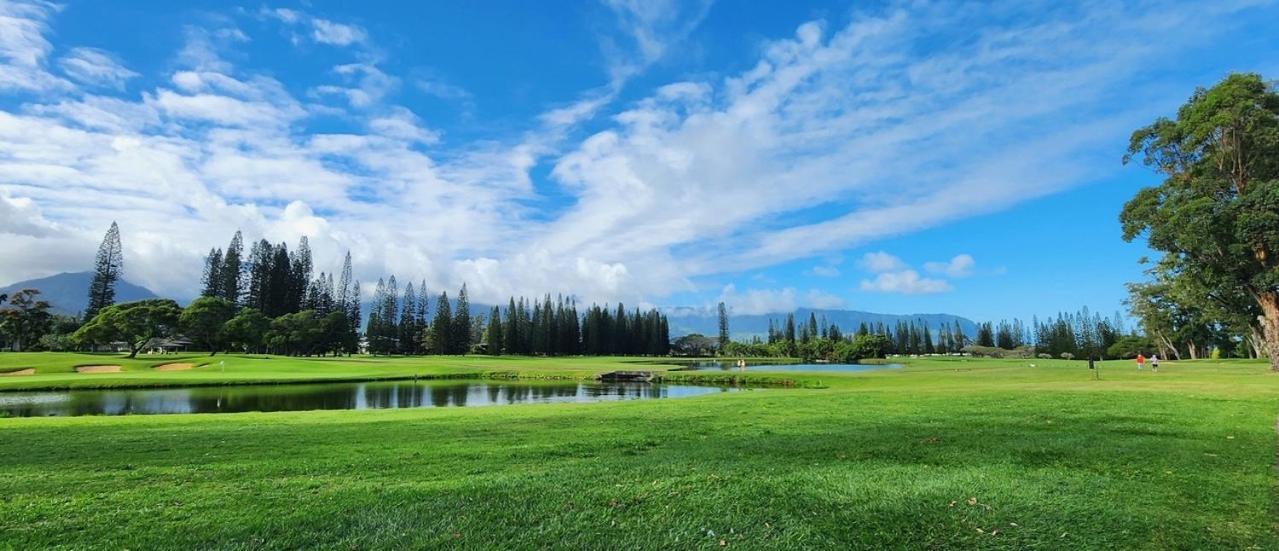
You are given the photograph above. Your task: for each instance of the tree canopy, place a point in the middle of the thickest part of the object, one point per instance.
(1216, 213)
(134, 323)
(204, 321)
(26, 319)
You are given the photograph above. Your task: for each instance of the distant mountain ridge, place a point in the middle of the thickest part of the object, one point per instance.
(684, 321)
(68, 292)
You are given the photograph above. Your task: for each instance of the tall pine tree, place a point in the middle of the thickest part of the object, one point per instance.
(107, 270)
(461, 327)
(212, 278)
(441, 326)
(232, 271)
(409, 332)
(493, 336)
(723, 328)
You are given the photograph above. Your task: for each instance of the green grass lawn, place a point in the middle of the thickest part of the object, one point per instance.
(942, 454)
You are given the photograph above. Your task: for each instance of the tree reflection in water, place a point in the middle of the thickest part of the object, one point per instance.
(375, 395)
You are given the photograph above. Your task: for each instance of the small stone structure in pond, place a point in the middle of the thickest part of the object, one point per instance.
(628, 376)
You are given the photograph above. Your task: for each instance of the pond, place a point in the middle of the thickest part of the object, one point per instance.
(715, 365)
(300, 397)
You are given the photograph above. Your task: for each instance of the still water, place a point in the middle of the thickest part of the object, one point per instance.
(372, 395)
(712, 365)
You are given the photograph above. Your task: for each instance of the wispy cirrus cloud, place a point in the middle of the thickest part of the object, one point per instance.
(95, 67)
(336, 34)
(649, 29)
(305, 26)
(24, 47)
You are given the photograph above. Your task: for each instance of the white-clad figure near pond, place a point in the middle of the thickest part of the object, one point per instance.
(1154, 363)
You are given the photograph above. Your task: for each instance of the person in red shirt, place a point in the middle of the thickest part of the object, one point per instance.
(1141, 361)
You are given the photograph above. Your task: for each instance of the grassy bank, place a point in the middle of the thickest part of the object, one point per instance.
(943, 453)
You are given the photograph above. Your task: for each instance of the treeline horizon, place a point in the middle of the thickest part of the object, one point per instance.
(271, 301)
(398, 325)
(1081, 334)
(278, 283)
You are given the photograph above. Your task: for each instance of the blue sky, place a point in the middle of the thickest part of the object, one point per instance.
(894, 157)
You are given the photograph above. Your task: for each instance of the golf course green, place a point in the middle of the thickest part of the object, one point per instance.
(942, 453)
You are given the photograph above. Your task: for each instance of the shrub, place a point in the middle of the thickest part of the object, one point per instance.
(1067, 356)
(1129, 346)
(1021, 352)
(870, 346)
(1044, 356)
(984, 351)
(56, 343)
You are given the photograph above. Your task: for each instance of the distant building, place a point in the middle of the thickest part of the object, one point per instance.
(166, 345)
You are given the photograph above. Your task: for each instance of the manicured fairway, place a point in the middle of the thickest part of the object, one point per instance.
(941, 454)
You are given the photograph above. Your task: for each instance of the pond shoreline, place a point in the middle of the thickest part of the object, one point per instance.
(351, 396)
(663, 376)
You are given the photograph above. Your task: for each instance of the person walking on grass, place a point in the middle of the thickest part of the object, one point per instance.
(1154, 363)
(1141, 361)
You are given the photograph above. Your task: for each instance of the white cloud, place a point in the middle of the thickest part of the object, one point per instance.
(441, 89)
(337, 34)
(823, 300)
(907, 282)
(322, 31)
(773, 301)
(23, 46)
(23, 25)
(402, 124)
(220, 109)
(20, 216)
(893, 275)
(959, 266)
(825, 271)
(371, 84)
(881, 261)
(649, 29)
(283, 14)
(95, 67)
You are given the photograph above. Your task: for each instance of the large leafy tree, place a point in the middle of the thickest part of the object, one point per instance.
(107, 269)
(204, 322)
(247, 330)
(26, 319)
(134, 323)
(1216, 213)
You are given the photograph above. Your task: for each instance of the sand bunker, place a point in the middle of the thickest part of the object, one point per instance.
(174, 367)
(98, 369)
(27, 371)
